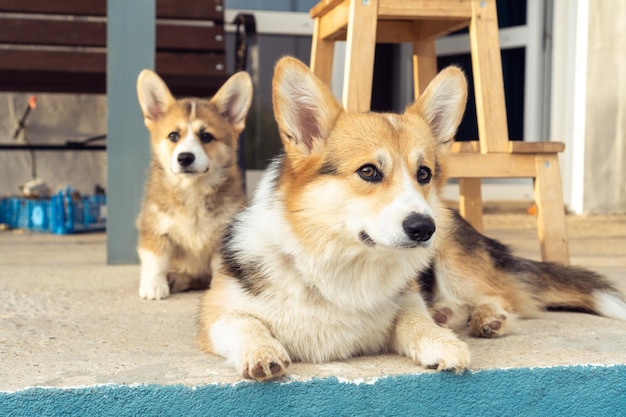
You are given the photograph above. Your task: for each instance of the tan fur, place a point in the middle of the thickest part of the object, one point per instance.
(321, 266)
(183, 213)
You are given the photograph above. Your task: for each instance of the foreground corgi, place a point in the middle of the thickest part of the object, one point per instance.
(323, 264)
(194, 186)
(327, 261)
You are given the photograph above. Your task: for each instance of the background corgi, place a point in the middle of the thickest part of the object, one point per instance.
(194, 186)
(322, 265)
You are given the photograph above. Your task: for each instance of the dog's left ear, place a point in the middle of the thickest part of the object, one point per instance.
(304, 107)
(443, 103)
(234, 98)
(154, 96)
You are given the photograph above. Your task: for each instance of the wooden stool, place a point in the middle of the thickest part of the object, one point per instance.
(363, 23)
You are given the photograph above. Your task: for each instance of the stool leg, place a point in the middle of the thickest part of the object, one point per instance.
(471, 202)
(488, 82)
(424, 70)
(550, 210)
(360, 49)
(424, 65)
(322, 54)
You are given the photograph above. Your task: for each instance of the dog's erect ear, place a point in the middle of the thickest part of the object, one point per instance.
(443, 103)
(154, 96)
(233, 99)
(304, 107)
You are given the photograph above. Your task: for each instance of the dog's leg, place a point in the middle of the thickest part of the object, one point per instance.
(179, 282)
(249, 345)
(153, 282)
(417, 336)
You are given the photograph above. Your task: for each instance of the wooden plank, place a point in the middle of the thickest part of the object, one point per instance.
(191, 9)
(408, 9)
(52, 82)
(54, 61)
(52, 32)
(166, 9)
(190, 38)
(70, 7)
(86, 33)
(190, 63)
(395, 31)
(491, 165)
(551, 225)
(322, 55)
(360, 49)
(514, 146)
(432, 29)
(488, 83)
(95, 62)
(517, 146)
(323, 7)
(471, 202)
(424, 65)
(333, 25)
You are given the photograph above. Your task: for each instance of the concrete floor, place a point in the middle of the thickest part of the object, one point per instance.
(69, 320)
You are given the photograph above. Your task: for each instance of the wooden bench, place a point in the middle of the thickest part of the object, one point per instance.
(60, 45)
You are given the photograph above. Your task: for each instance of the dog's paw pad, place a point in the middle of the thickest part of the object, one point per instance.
(442, 315)
(488, 326)
(266, 363)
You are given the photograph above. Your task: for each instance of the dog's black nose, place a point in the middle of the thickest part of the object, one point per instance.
(419, 227)
(186, 158)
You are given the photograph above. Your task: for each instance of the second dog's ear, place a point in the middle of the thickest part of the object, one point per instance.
(233, 99)
(154, 96)
(443, 103)
(304, 107)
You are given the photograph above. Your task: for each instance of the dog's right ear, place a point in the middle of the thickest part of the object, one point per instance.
(154, 96)
(304, 107)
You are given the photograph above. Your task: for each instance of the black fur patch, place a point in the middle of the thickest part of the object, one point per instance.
(426, 279)
(247, 274)
(367, 239)
(472, 242)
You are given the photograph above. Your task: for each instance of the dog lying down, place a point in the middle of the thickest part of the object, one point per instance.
(324, 263)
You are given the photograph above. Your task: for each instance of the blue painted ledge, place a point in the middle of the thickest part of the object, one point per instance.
(560, 391)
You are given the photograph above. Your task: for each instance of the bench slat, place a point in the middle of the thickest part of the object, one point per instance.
(95, 62)
(93, 34)
(166, 9)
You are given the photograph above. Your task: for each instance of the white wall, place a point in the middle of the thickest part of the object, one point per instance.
(588, 108)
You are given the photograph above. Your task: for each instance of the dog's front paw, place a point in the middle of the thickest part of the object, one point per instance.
(154, 288)
(265, 362)
(487, 321)
(440, 349)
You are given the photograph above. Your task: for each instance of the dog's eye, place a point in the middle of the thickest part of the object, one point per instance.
(206, 137)
(174, 136)
(370, 173)
(424, 175)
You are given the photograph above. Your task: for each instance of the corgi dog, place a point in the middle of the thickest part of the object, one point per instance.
(194, 186)
(323, 264)
(346, 241)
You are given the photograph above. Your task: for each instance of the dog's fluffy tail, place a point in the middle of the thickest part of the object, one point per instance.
(546, 285)
(557, 286)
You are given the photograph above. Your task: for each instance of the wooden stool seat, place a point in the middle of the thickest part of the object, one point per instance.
(363, 23)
